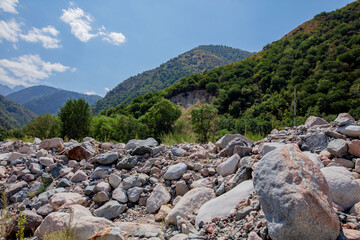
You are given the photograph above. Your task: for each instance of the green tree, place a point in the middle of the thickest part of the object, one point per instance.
(3, 134)
(75, 118)
(102, 128)
(203, 120)
(128, 127)
(160, 117)
(44, 126)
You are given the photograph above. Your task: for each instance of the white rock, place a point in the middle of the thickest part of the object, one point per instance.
(229, 166)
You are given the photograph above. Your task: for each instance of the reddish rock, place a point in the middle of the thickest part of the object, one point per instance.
(79, 153)
(352, 234)
(294, 194)
(52, 143)
(354, 148)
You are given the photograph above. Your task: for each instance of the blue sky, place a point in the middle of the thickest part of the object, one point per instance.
(90, 46)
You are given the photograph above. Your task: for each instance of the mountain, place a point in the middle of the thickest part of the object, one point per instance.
(45, 99)
(5, 90)
(321, 58)
(31, 93)
(52, 103)
(13, 115)
(194, 61)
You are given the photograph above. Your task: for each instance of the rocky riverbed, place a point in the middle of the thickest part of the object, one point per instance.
(295, 184)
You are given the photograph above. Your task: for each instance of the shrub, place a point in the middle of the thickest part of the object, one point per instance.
(44, 126)
(203, 121)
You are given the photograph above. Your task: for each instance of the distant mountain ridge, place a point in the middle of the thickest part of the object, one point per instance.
(44, 99)
(13, 115)
(194, 61)
(5, 90)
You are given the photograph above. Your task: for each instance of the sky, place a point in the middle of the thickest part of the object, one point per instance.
(90, 46)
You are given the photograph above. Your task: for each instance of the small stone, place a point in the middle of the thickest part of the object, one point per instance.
(175, 171)
(79, 176)
(354, 148)
(119, 194)
(134, 194)
(107, 158)
(181, 188)
(101, 197)
(110, 210)
(114, 180)
(102, 186)
(158, 197)
(338, 147)
(46, 161)
(243, 212)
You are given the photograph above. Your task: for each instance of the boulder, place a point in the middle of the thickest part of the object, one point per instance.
(354, 148)
(352, 234)
(79, 176)
(79, 153)
(268, 147)
(107, 158)
(242, 151)
(120, 195)
(344, 119)
(65, 199)
(158, 197)
(33, 220)
(313, 121)
(294, 196)
(134, 194)
(177, 152)
(228, 151)
(175, 172)
(350, 131)
(110, 210)
(228, 201)
(101, 197)
(314, 142)
(114, 180)
(52, 143)
(241, 175)
(192, 200)
(229, 166)
(113, 233)
(223, 142)
(127, 163)
(338, 147)
(344, 189)
(100, 172)
(315, 159)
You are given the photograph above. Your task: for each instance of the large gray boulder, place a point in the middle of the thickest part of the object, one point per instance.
(192, 200)
(268, 147)
(228, 201)
(344, 119)
(313, 121)
(350, 131)
(344, 188)
(294, 196)
(229, 166)
(314, 142)
(338, 147)
(223, 142)
(175, 172)
(107, 158)
(110, 210)
(158, 197)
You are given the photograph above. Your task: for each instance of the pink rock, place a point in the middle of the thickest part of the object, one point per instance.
(354, 148)
(352, 234)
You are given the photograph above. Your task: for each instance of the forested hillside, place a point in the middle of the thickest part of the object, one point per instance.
(194, 61)
(13, 115)
(321, 58)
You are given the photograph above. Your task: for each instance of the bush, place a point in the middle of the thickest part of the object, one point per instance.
(3, 134)
(203, 121)
(161, 117)
(102, 128)
(44, 126)
(75, 118)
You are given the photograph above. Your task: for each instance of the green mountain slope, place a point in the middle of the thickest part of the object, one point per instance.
(321, 58)
(13, 115)
(194, 61)
(52, 103)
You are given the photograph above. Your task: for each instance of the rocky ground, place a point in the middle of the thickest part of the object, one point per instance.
(295, 184)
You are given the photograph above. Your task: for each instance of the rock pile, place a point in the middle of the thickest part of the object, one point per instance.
(295, 184)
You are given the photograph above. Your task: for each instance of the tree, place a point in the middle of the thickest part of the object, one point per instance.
(75, 118)
(161, 117)
(202, 121)
(3, 134)
(102, 128)
(44, 126)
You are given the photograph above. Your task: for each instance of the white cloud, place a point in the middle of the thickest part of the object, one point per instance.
(114, 38)
(107, 89)
(47, 36)
(9, 6)
(80, 23)
(90, 93)
(28, 70)
(10, 30)
(73, 69)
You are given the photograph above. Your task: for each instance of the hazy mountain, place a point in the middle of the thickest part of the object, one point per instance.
(5, 90)
(194, 61)
(45, 99)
